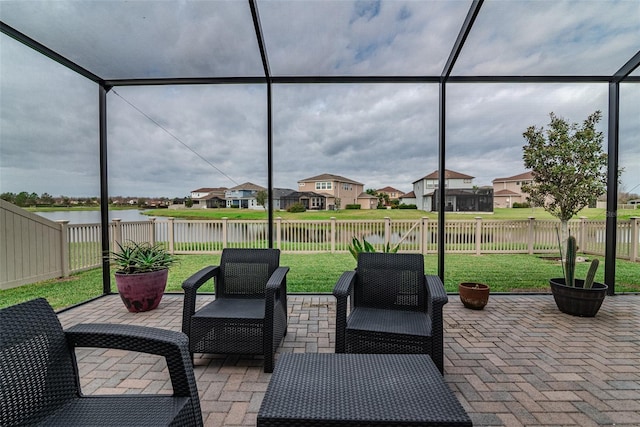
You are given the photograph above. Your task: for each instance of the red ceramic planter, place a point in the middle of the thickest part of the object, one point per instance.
(474, 295)
(142, 291)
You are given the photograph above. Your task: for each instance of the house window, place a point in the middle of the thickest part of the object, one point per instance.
(346, 186)
(323, 186)
(467, 181)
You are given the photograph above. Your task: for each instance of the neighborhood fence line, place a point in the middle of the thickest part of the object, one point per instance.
(37, 249)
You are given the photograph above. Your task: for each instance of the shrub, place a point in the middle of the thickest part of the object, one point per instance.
(403, 206)
(353, 206)
(296, 207)
(521, 205)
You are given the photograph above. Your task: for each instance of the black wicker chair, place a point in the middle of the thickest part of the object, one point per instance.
(39, 381)
(393, 307)
(249, 313)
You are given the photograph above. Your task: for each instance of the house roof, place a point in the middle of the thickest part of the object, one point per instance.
(208, 189)
(281, 192)
(409, 195)
(448, 174)
(247, 186)
(298, 194)
(388, 189)
(506, 193)
(330, 177)
(526, 176)
(365, 195)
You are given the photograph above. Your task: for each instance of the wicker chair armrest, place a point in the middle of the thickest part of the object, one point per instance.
(276, 291)
(342, 290)
(278, 281)
(191, 286)
(173, 345)
(437, 295)
(199, 278)
(344, 285)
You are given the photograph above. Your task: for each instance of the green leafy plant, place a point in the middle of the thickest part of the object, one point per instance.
(356, 247)
(141, 258)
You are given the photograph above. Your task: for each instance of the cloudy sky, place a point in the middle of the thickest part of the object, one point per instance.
(170, 140)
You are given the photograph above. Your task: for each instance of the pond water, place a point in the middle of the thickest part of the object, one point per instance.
(93, 217)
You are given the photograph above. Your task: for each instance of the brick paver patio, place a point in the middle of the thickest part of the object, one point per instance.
(518, 362)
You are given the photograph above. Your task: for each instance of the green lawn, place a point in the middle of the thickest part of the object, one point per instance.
(317, 273)
(499, 213)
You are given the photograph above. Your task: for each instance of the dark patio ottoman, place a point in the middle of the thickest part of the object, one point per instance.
(318, 389)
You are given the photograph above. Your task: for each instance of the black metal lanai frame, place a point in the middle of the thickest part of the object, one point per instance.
(613, 125)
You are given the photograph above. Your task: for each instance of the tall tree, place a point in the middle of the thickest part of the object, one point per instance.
(261, 198)
(568, 164)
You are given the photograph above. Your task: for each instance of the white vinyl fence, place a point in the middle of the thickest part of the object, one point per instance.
(35, 249)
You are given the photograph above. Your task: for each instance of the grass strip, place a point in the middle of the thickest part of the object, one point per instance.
(317, 273)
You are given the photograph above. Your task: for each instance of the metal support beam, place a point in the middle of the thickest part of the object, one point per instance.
(612, 188)
(474, 9)
(104, 189)
(442, 123)
(267, 73)
(39, 47)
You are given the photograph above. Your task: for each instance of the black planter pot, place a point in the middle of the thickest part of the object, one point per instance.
(578, 301)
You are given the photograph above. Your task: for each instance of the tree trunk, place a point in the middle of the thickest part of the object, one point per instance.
(564, 235)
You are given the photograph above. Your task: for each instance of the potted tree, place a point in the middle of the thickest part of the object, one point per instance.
(568, 165)
(569, 169)
(578, 297)
(141, 276)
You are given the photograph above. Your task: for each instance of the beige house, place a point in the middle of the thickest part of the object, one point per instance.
(507, 191)
(335, 187)
(209, 197)
(393, 193)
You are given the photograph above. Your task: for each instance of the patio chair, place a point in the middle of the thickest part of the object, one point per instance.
(40, 384)
(249, 313)
(393, 307)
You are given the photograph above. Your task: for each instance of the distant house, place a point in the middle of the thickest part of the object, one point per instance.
(507, 191)
(243, 196)
(408, 198)
(209, 197)
(334, 187)
(460, 193)
(392, 193)
(309, 199)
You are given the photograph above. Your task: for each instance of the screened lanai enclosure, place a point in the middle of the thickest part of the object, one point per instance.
(127, 99)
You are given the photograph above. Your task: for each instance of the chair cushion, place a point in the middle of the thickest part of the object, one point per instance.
(118, 411)
(232, 308)
(399, 322)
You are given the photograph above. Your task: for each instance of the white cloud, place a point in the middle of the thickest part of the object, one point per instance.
(378, 134)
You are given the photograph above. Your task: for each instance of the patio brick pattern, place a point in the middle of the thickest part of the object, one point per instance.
(518, 362)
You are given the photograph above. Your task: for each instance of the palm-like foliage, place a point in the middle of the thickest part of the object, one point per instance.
(356, 247)
(141, 257)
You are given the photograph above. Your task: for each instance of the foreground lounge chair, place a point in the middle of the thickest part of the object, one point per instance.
(39, 381)
(394, 307)
(249, 314)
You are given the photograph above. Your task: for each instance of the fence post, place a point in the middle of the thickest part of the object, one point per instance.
(225, 223)
(64, 243)
(635, 237)
(117, 233)
(333, 234)
(387, 231)
(278, 232)
(582, 239)
(478, 234)
(531, 235)
(424, 235)
(152, 231)
(171, 234)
